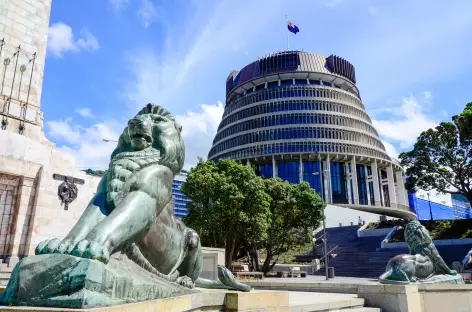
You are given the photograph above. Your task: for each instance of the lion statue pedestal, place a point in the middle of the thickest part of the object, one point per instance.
(127, 246)
(423, 265)
(71, 282)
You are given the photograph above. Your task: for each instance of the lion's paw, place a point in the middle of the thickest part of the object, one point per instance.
(185, 281)
(48, 246)
(91, 250)
(65, 247)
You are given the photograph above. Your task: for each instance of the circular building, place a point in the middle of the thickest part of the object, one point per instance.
(299, 116)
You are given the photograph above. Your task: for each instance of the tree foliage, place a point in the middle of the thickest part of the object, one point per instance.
(442, 157)
(233, 208)
(295, 209)
(228, 204)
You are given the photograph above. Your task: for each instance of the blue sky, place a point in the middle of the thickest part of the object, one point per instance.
(108, 58)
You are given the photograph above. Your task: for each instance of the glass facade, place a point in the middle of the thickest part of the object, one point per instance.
(264, 170)
(179, 200)
(361, 184)
(312, 175)
(289, 171)
(338, 183)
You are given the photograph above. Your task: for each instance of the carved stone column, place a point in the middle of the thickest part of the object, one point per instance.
(21, 220)
(402, 193)
(391, 186)
(367, 180)
(375, 179)
(274, 168)
(327, 180)
(354, 181)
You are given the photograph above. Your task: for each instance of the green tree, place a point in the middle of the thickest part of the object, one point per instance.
(295, 209)
(442, 157)
(228, 204)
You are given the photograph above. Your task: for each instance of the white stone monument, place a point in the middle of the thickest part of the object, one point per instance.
(30, 208)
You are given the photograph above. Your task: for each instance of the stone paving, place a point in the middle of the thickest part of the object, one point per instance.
(322, 279)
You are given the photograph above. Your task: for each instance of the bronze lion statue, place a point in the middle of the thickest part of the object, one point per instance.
(132, 211)
(423, 264)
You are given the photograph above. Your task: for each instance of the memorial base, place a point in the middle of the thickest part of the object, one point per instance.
(66, 281)
(219, 300)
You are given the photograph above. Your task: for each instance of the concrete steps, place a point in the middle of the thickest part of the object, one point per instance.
(5, 276)
(313, 302)
(362, 257)
(363, 309)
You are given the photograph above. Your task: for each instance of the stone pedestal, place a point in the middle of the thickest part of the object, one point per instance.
(70, 282)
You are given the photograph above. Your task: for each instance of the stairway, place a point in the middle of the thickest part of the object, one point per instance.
(362, 256)
(324, 302)
(4, 276)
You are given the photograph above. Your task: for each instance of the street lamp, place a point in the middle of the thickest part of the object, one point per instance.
(430, 210)
(325, 239)
(429, 201)
(109, 141)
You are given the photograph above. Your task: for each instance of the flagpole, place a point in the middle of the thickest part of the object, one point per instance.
(288, 35)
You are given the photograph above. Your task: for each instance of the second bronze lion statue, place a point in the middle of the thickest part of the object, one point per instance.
(422, 265)
(132, 210)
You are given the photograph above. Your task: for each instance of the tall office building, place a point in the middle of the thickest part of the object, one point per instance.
(299, 116)
(179, 200)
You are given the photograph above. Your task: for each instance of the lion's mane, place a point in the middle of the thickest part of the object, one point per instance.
(417, 236)
(166, 135)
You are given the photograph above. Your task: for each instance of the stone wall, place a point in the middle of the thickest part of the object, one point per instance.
(418, 298)
(24, 24)
(212, 258)
(39, 214)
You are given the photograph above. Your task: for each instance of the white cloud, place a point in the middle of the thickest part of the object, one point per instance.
(64, 130)
(85, 112)
(407, 121)
(391, 150)
(85, 144)
(393, 43)
(198, 130)
(61, 39)
(147, 12)
(201, 45)
(205, 122)
(87, 42)
(119, 4)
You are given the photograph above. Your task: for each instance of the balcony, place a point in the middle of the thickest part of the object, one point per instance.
(394, 211)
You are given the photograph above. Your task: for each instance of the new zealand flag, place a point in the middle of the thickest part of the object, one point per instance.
(292, 27)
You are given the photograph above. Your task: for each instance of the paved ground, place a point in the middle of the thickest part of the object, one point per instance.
(303, 298)
(321, 279)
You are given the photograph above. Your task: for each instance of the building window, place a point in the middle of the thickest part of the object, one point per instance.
(371, 193)
(286, 82)
(338, 183)
(300, 81)
(312, 175)
(361, 184)
(289, 171)
(264, 170)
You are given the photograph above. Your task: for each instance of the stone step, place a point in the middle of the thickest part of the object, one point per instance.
(314, 302)
(4, 275)
(362, 309)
